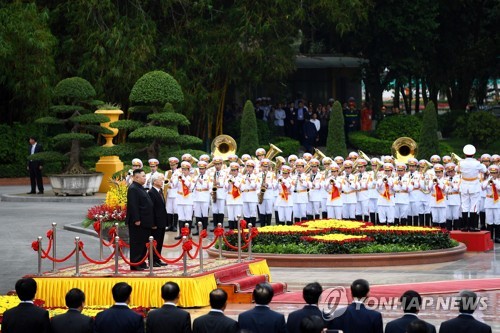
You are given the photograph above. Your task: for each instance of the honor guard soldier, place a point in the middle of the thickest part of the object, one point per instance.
(438, 188)
(301, 185)
(249, 187)
(385, 201)
(353, 156)
(426, 175)
(313, 209)
(486, 160)
(470, 187)
(291, 162)
(349, 187)
(266, 184)
(363, 179)
(201, 196)
(284, 200)
(153, 165)
(495, 159)
(416, 208)
(307, 157)
(373, 195)
(333, 187)
(136, 164)
(492, 202)
(184, 186)
(339, 160)
(189, 158)
(446, 159)
(234, 202)
(402, 186)
(452, 197)
(327, 163)
(173, 173)
(218, 193)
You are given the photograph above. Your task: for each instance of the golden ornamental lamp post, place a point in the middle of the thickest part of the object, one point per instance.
(109, 165)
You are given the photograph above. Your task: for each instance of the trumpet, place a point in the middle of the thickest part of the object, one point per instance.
(280, 180)
(491, 182)
(435, 180)
(166, 182)
(332, 181)
(213, 194)
(385, 180)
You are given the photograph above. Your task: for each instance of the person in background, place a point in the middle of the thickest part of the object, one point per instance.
(73, 320)
(215, 321)
(311, 294)
(411, 302)
(279, 120)
(35, 167)
(465, 322)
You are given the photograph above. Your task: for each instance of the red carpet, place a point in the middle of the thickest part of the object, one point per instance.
(396, 290)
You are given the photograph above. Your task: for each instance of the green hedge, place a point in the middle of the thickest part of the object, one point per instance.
(394, 127)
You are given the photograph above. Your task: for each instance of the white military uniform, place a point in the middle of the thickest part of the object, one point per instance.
(284, 200)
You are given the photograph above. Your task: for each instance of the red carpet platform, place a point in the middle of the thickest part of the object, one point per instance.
(97, 280)
(475, 241)
(396, 290)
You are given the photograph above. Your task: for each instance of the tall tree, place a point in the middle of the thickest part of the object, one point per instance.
(249, 138)
(428, 144)
(336, 140)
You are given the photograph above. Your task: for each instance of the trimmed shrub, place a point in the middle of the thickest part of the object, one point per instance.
(249, 137)
(478, 127)
(368, 144)
(447, 122)
(428, 144)
(289, 146)
(394, 127)
(156, 88)
(336, 140)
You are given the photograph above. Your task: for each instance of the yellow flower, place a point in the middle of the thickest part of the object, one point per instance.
(117, 194)
(282, 228)
(401, 228)
(338, 237)
(333, 224)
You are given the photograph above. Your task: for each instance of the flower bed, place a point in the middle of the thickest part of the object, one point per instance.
(114, 210)
(343, 237)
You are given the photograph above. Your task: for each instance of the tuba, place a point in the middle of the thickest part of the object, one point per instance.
(403, 149)
(318, 154)
(273, 151)
(455, 158)
(223, 146)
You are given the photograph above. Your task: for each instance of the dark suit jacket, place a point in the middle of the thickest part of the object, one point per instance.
(72, 321)
(262, 319)
(464, 324)
(295, 317)
(168, 318)
(118, 319)
(38, 149)
(139, 206)
(26, 317)
(215, 322)
(159, 209)
(399, 325)
(357, 318)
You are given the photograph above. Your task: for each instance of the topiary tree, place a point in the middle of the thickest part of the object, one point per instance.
(249, 138)
(429, 143)
(336, 140)
(76, 98)
(478, 127)
(393, 127)
(153, 98)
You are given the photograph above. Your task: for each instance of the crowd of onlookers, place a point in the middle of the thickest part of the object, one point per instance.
(119, 318)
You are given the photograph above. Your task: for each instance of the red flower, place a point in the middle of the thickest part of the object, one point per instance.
(34, 246)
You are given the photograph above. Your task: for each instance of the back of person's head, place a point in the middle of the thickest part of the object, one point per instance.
(263, 293)
(360, 288)
(416, 326)
(170, 291)
(74, 298)
(312, 292)
(467, 301)
(121, 292)
(312, 324)
(137, 171)
(218, 299)
(411, 301)
(26, 289)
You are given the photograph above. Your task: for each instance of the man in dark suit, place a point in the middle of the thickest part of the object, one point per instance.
(119, 318)
(160, 215)
(35, 166)
(140, 218)
(169, 318)
(73, 321)
(215, 321)
(410, 303)
(261, 319)
(26, 317)
(311, 294)
(465, 322)
(356, 317)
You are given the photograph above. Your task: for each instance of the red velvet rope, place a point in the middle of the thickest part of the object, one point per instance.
(197, 248)
(46, 255)
(211, 244)
(166, 260)
(133, 263)
(105, 261)
(187, 246)
(173, 245)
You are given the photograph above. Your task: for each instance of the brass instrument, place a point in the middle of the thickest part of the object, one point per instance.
(428, 165)
(455, 158)
(263, 189)
(223, 146)
(378, 165)
(272, 152)
(213, 194)
(363, 156)
(332, 181)
(280, 161)
(319, 155)
(404, 148)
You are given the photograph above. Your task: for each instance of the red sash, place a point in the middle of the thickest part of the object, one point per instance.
(439, 194)
(284, 193)
(235, 192)
(495, 192)
(185, 189)
(387, 193)
(335, 193)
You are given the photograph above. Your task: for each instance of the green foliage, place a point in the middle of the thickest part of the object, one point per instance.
(288, 145)
(336, 140)
(156, 88)
(389, 248)
(249, 137)
(73, 136)
(90, 118)
(149, 133)
(109, 106)
(174, 118)
(447, 122)
(428, 144)
(368, 144)
(62, 109)
(126, 124)
(188, 141)
(394, 127)
(265, 135)
(479, 128)
(166, 153)
(74, 89)
(285, 248)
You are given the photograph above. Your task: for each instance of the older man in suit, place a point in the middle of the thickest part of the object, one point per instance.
(26, 317)
(73, 321)
(140, 219)
(169, 318)
(311, 294)
(356, 317)
(119, 318)
(215, 321)
(261, 319)
(465, 322)
(160, 215)
(410, 302)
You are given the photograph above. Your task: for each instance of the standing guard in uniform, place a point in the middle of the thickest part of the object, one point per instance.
(184, 186)
(470, 187)
(363, 179)
(327, 163)
(218, 193)
(266, 183)
(153, 165)
(372, 190)
(486, 160)
(249, 186)
(385, 201)
(349, 187)
(284, 200)
(136, 164)
(301, 185)
(438, 188)
(313, 210)
(201, 196)
(170, 175)
(234, 200)
(492, 202)
(415, 209)
(426, 175)
(452, 197)
(402, 187)
(333, 187)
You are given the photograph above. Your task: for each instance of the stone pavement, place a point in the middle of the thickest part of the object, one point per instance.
(24, 217)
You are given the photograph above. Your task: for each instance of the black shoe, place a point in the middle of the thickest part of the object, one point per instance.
(41, 192)
(195, 233)
(136, 268)
(173, 229)
(167, 229)
(160, 264)
(155, 264)
(31, 193)
(474, 230)
(178, 237)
